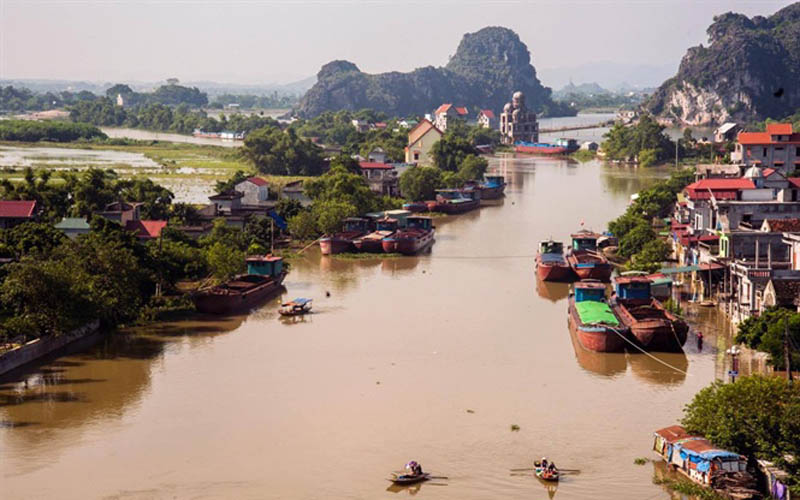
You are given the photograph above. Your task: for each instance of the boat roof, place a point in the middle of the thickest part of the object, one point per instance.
(589, 284)
(418, 217)
(585, 233)
(355, 219)
(299, 301)
(263, 258)
(624, 280)
(673, 433)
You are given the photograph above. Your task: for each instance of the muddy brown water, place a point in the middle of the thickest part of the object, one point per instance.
(431, 358)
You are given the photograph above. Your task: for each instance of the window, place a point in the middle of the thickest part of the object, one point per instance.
(764, 153)
(416, 155)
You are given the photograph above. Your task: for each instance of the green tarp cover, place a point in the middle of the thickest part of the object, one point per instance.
(592, 312)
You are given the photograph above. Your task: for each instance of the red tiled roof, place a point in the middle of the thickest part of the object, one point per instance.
(779, 128)
(380, 125)
(374, 165)
(759, 138)
(784, 225)
(795, 181)
(673, 433)
(146, 229)
(461, 111)
(420, 130)
(488, 113)
(442, 109)
(17, 209)
(724, 189)
(258, 181)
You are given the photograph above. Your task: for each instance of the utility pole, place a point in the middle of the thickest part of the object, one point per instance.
(677, 141)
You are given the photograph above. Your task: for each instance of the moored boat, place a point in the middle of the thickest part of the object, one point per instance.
(584, 259)
(550, 262)
(264, 278)
(372, 242)
(493, 187)
(592, 320)
(296, 307)
(560, 147)
(417, 236)
(457, 201)
(416, 206)
(650, 324)
(353, 227)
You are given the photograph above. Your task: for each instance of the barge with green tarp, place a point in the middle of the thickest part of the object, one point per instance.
(591, 319)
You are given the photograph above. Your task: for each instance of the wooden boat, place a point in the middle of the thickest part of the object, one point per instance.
(372, 242)
(416, 206)
(417, 236)
(544, 474)
(410, 478)
(651, 325)
(457, 201)
(296, 307)
(265, 275)
(560, 147)
(550, 262)
(493, 187)
(591, 319)
(585, 260)
(354, 227)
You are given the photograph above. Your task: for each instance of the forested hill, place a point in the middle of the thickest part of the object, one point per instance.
(749, 71)
(488, 66)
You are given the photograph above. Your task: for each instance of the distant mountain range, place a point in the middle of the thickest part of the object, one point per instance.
(616, 77)
(487, 68)
(749, 71)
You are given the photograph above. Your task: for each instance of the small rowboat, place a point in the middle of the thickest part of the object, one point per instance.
(296, 307)
(545, 474)
(410, 478)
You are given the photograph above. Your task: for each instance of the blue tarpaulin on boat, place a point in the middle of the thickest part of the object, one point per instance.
(552, 257)
(704, 466)
(301, 301)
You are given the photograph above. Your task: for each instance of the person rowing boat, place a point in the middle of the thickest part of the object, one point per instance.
(413, 473)
(546, 470)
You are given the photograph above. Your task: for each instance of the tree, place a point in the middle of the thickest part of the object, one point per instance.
(329, 214)
(420, 183)
(758, 416)
(32, 238)
(288, 208)
(647, 157)
(224, 261)
(155, 199)
(635, 240)
(450, 151)
(273, 151)
(473, 167)
(627, 142)
(230, 184)
(651, 256)
(340, 185)
(766, 332)
(303, 226)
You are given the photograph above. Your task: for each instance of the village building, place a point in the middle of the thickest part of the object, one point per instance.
(294, 191)
(778, 147)
(15, 212)
(227, 202)
(717, 170)
(381, 177)
(146, 229)
(377, 155)
(360, 125)
(627, 116)
(726, 132)
(73, 227)
(121, 212)
(517, 123)
(255, 191)
(408, 123)
(590, 146)
(420, 141)
(447, 112)
(487, 119)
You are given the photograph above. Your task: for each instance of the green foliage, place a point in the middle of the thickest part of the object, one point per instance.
(21, 99)
(758, 416)
(273, 151)
(473, 167)
(635, 239)
(652, 255)
(54, 131)
(288, 208)
(223, 261)
(31, 239)
(766, 333)
(230, 184)
(673, 306)
(303, 226)
(647, 157)
(330, 213)
(451, 150)
(338, 184)
(52, 200)
(249, 101)
(646, 137)
(421, 183)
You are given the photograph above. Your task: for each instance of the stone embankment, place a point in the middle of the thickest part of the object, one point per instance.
(41, 347)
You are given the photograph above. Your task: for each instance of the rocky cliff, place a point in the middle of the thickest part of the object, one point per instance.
(749, 71)
(487, 68)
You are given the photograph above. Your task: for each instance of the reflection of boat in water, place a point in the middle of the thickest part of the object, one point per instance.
(551, 290)
(649, 370)
(607, 364)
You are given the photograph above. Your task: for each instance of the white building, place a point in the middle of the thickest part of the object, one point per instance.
(255, 191)
(778, 148)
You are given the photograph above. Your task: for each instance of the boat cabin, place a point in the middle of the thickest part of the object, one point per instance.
(399, 215)
(494, 180)
(450, 194)
(355, 225)
(264, 265)
(386, 224)
(589, 291)
(585, 240)
(660, 286)
(632, 288)
(551, 246)
(567, 143)
(425, 223)
(695, 456)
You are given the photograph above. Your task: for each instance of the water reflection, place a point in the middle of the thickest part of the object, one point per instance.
(610, 364)
(552, 291)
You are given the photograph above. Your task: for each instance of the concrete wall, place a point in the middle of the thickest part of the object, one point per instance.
(38, 348)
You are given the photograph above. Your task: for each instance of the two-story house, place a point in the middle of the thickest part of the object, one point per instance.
(14, 212)
(447, 112)
(381, 177)
(255, 191)
(778, 147)
(420, 141)
(487, 119)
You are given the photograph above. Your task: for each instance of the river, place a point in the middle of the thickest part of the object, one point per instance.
(431, 358)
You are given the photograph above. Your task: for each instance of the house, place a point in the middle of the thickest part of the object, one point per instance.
(378, 126)
(517, 123)
(590, 146)
(777, 148)
(14, 212)
(408, 123)
(255, 191)
(627, 115)
(294, 191)
(781, 225)
(360, 125)
(420, 141)
(227, 202)
(377, 155)
(448, 112)
(146, 229)
(381, 177)
(121, 212)
(73, 226)
(715, 170)
(726, 132)
(487, 119)
(782, 293)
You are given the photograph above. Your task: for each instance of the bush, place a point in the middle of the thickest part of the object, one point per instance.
(34, 131)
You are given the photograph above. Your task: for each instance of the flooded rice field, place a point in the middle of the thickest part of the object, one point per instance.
(431, 358)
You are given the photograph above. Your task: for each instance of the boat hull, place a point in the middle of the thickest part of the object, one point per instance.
(408, 245)
(416, 207)
(587, 266)
(560, 272)
(652, 327)
(593, 338)
(457, 208)
(369, 246)
(492, 193)
(219, 301)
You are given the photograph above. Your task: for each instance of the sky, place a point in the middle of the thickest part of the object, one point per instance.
(269, 41)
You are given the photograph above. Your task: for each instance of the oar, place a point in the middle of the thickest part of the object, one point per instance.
(522, 470)
(438, 477)
(568, 470)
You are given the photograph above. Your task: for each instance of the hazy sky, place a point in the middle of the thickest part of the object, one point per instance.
(262, 41)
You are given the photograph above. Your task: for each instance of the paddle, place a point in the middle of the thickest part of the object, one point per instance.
(438, 477)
